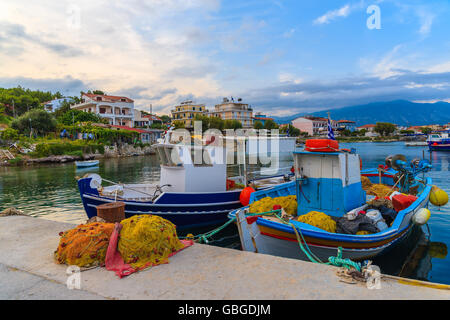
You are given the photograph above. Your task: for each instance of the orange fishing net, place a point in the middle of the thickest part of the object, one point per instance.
(84, 245)
(147, 240)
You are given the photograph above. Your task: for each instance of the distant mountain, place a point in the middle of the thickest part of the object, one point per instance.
(400, 112)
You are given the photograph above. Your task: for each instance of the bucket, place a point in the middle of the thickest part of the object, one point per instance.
(111, 212)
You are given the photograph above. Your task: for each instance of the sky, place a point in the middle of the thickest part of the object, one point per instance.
(282, 57)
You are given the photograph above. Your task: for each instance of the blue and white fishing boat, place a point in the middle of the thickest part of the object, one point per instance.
(189, 194)
(328, 181)
(439, 141)
(87, 164)
(331, 183)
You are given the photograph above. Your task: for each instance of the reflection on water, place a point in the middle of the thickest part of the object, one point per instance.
(51, 192)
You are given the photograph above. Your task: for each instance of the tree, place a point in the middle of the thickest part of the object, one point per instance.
(204, 120)
(293, 131)
(232, 124)
(9, 134)
(270, 124)
(216, 123)
(362, 132)
(384, 128)
(426, 130)
(75, 116)
(39, 121)
(179, 124)
(100, 92)
(258, 125)
(165, 118)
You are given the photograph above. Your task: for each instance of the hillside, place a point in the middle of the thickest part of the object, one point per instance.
(400, 112)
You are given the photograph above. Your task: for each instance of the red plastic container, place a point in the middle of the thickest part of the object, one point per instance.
(401, 201)
(321, 145)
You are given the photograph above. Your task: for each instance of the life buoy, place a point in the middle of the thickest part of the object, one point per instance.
(321, 145)
(244, 197)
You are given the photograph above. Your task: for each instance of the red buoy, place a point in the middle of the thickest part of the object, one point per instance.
(244, 197)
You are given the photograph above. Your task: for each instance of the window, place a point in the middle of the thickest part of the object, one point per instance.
(99, 98)
(202, 157)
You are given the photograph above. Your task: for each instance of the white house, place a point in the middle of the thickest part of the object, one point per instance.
(117, 110)
(313, 125)
(55, 104)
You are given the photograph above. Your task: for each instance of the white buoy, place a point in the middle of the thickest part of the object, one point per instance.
(421, 216)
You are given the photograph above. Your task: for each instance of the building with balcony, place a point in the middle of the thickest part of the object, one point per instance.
(117, 110)
(347, 125)
(144, 120)
(261, 118)
(231, 110)
(187, 111)
(314, 125)
(55, 104)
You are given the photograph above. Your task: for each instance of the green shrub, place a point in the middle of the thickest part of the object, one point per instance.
(9, 134)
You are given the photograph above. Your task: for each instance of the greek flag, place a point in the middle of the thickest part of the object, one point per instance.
(330, 130)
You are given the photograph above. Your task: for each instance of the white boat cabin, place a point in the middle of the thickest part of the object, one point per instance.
(328, 182)
(190, 168)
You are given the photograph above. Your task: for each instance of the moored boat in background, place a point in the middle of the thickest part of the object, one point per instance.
(86, 164)
(439, 141)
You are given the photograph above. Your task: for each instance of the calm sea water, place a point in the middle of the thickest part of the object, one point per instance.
(50, 192)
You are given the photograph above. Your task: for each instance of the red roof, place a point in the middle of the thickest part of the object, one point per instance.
(152, 117)
(367, 126)
(346, 121)
(129, 129)
(106, 98)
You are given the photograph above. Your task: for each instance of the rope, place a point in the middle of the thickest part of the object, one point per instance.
(337, 261)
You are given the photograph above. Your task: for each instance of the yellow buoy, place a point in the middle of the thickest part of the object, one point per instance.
(421, 216)
(438, 197)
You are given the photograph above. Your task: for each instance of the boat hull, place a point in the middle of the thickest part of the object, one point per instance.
(275, 238)
(86, 164)
(185, 210)
(439, 146)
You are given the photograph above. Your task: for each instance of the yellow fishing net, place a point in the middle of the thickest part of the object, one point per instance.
(85, 245)
(366, 183)
(147, 240)
(288, 203)
(379, 190)
(319, 220)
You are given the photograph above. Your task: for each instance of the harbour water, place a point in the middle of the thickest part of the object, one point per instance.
(50, 192)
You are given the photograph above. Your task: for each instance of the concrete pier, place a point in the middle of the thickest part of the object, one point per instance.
(27, 271)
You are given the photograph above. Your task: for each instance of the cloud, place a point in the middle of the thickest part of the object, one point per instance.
(67, 85)
(333, 15)
(15, 33)
(289, 97)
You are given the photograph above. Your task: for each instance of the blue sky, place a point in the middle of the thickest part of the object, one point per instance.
(282, 57)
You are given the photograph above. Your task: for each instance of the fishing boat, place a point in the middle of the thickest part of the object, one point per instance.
(330, 183)
(189, 194)
(86, 164)
(439, 141)
(416, 144)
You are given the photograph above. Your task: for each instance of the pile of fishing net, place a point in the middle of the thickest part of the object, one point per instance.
(85, 245)
(147, 240)
(319, 220)
(366, 183)
(379, 190)
(288, 203)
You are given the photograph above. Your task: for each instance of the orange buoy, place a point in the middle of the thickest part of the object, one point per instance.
(244, 197)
